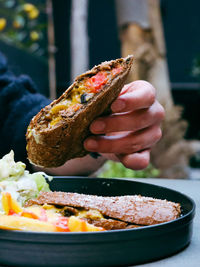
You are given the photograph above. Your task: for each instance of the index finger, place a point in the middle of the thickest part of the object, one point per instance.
(134, 96)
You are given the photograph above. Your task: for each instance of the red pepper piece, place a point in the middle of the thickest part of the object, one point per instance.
(11, 212)
(95, 82)
(29, 214)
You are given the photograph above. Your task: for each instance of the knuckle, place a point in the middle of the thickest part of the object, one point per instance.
(147, 85)
(158, 134)
(161, 112)
(151, 92)
(158, 111)
(152, 95)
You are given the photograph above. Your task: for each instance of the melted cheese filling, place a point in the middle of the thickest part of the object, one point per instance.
(81, 94)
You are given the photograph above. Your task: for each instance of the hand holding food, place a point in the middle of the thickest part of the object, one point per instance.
(128, 134)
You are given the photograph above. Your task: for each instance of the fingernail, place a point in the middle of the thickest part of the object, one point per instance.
(91, 144)
(118, 105)
(98, 126)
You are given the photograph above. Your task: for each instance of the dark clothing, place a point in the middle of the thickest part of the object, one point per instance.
(19, 102)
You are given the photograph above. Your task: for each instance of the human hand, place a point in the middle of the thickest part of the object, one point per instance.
(128, 134)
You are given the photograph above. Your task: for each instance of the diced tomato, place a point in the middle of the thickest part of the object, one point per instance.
(62, 225)
(95, 82)
(116, 70)
(12, 212)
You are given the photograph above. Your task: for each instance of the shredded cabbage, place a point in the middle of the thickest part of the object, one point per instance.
(21, 184)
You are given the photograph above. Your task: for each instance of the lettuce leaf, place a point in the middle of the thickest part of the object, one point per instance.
(21, 184)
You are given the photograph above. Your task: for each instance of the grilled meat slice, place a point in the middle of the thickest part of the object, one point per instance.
(133, 209)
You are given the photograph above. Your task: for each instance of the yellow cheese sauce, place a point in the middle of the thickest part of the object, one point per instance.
(90, 214)
(81, 94)
(51, 214)
(71, 102)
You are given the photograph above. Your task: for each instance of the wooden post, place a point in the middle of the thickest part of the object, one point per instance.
(79, 38)
(171, 155)
(51, 51)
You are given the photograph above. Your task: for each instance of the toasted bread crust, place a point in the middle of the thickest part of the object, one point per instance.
(133, 209)
(52, 147)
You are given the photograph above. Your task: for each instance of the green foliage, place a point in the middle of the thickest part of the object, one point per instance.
(114, 169)
(23, 25)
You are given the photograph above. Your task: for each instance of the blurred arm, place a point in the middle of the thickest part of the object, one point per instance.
(19, 102)
(80, 166)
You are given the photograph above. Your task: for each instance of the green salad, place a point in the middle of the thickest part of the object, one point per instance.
(21, 184)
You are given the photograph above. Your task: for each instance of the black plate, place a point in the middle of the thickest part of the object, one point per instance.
(110, 248)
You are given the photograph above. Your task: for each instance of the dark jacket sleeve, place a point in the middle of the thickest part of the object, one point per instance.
(19, 102)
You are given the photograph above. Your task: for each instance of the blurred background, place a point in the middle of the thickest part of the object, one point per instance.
(54, 41)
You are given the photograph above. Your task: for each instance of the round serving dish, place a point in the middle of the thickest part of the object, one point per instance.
(110, 248)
